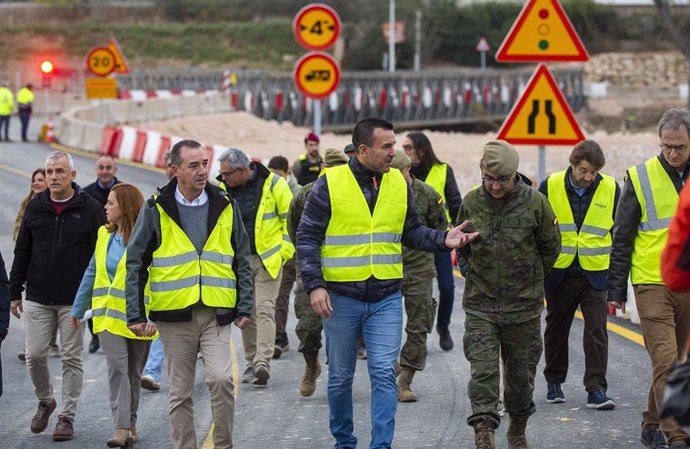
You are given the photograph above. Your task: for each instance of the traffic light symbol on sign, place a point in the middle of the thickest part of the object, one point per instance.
(542, 32)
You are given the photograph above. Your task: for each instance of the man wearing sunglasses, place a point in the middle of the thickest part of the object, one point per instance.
(518, 243)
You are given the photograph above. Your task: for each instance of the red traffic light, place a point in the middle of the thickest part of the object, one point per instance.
(47, 67)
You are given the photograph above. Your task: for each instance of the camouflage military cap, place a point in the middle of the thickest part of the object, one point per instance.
(500, 158)
(400, 160)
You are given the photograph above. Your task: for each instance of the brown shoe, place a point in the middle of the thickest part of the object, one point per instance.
(40, 419)
(64, 429)
(133, 432)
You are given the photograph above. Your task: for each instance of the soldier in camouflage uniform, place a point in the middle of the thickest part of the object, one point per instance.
(309, 324)
(418, 275)
(504, 292)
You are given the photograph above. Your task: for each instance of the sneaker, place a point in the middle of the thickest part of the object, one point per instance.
(281, 345)
(64, 430)
(262, 372)
(554, 395)
(248, 375)
(653, 438)
(149, 383)
(54, 351)
(40, 420)
(95, 344)
(444, 340)
(599, 400)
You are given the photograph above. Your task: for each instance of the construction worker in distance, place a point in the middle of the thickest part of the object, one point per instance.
(647, 206)
(25, 101)
(309, 325)
(6, 108)
(418, 280)
(584, 201)
(308, 166)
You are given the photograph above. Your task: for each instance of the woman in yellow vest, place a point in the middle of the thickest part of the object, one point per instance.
(428, 168)
(102, 290)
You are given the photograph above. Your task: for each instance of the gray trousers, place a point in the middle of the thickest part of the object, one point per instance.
(126, 359)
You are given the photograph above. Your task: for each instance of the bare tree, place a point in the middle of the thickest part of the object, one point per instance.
(675, 20)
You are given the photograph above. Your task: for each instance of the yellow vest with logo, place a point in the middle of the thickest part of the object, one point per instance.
(592, 244)
(658, 200)
(359, 244)
(179, 276)
(273, 244)
(437, 179)
(108, 303)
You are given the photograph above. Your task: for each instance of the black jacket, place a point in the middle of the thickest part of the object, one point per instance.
(4, 301)
(99, 194)
(145, 240)
(628, 217)
(312, 229)
(579, 206)
(52, 252)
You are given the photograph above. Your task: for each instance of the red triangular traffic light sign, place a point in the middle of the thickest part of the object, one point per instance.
(542, 32)
(541, 116)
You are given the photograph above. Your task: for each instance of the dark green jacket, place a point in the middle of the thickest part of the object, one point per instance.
(518, 243)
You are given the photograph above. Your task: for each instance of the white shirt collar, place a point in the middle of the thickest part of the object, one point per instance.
(199, 201)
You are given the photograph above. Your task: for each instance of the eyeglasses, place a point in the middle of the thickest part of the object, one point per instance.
(679, 148)
(408, 147)
(227, 174)
(490, 180)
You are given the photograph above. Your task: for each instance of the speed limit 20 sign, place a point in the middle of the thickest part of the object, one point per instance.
(100, 61)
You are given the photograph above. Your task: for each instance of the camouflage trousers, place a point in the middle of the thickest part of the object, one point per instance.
(486, 341)
(309, 325)
(420, 308)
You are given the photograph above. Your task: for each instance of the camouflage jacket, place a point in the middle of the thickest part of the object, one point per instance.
(518, 243)
(419, 265)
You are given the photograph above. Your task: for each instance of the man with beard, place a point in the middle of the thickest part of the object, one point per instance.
(308, 166)
(584, 201)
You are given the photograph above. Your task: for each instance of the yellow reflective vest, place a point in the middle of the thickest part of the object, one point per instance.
(273, 244)
(592, 244)
(359, 244)
(179, 276)
(6, 101)
(24, 97)
(437, 179)
(658, 200)
(108, 303)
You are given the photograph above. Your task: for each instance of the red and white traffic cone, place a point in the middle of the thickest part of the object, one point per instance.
(50, 133)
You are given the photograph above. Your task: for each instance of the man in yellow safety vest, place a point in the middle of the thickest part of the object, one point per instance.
(25, 101)
(647, 205)
(584, 201)
(263, 199)
(349, 245)
(189, 241)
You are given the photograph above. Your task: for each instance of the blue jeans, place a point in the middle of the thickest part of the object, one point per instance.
(380, 323)
(154, 364)
(446, 288)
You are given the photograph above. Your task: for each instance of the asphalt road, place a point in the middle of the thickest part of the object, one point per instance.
(276, 415)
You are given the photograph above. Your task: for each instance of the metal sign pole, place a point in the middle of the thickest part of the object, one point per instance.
(542, 163)
(317, 117)
(483, 59)
(391, 36)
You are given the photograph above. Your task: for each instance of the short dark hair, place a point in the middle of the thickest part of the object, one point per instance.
(673, 119)
(279, 163)
(423, 149)
(589, 151)
(363, 134)
(176, 150)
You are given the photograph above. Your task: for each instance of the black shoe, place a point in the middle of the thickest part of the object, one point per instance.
(94, 345)
(281, 345)
(445, 340)
(653, 438)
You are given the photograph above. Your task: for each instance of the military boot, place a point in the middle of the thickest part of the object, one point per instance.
(312, 370)
(516, 434)
(484, 435)
(405, 394)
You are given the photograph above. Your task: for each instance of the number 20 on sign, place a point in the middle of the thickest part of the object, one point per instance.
(100, 61)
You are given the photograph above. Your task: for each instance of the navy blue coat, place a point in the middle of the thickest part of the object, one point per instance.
(4, 309)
